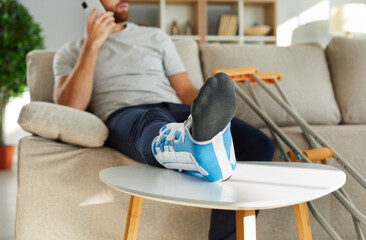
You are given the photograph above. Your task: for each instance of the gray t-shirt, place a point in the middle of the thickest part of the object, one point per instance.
(131, 69)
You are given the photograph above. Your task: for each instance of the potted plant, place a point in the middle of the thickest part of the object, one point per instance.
(19, 34)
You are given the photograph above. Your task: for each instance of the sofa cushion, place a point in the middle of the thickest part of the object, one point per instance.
(189, 54)
(63, 123)
(346, 61)
(40, 72)
(306, 79)
(40, 75)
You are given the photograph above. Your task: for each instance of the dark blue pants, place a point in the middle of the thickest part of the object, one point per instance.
(132, 129)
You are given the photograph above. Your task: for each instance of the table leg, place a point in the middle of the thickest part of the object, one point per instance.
(133, 218)
(245, 225)
(302, 221)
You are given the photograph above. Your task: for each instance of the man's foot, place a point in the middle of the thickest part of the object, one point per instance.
(213, 108)
(214, 159)
(209, 150)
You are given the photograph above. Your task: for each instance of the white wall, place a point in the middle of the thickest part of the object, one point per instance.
(63, 21)
(293, 14)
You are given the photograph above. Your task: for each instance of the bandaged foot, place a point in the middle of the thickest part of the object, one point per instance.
(203, 143)
(174, 148)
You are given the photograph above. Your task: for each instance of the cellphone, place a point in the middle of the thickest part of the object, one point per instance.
(89, 5)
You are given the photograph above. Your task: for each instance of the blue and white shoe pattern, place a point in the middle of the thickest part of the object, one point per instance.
(174, 148)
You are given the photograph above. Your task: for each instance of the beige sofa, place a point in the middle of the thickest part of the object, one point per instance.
(60, 195)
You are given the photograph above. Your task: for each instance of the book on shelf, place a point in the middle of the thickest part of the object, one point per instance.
(228, 25)
(222, 21)
(234, 22)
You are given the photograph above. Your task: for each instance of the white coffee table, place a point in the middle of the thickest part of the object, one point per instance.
(253, 186)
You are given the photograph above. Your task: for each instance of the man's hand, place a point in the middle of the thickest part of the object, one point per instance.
(99, 28)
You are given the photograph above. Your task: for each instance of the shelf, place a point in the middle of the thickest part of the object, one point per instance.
(222, 38)
(181, 13)
(260, 38)
(184, 37)
(204, 17)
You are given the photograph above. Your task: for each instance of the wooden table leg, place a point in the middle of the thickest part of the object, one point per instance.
(133, 218)
(302, 221)
(245, 225)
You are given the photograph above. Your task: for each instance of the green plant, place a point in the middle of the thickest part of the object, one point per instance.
(19, 34)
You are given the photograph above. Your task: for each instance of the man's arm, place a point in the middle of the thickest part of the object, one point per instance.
(75, 90)
(183, 87)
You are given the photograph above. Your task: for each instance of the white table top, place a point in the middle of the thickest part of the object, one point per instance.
(254, 185)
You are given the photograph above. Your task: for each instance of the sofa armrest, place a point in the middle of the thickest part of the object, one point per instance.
(63, 123)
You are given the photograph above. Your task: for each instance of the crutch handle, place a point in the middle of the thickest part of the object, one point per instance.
(239, 74)
(316, 154)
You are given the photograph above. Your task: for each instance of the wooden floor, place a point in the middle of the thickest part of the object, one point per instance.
(8, 193)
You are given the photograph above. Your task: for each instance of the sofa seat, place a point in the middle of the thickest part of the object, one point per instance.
(72, 203)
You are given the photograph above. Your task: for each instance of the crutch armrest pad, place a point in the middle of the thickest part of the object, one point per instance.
(238, 74)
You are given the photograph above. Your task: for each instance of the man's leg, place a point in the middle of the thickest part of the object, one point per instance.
(132, 129)
(250, 145)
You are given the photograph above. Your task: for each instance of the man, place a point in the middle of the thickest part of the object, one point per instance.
(133, 79)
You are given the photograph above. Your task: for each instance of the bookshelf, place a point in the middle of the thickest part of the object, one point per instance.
(205, 15)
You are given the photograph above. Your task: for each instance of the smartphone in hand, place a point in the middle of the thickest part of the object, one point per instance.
(89, 5)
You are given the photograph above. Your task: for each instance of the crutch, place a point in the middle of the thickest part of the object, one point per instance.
(321, 149)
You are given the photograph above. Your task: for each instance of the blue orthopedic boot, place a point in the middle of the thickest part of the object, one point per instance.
(214, 159)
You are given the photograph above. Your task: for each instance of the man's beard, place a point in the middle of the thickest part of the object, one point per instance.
(121, 17)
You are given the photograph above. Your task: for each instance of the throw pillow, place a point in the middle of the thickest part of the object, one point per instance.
(63, 123)
(346, 61)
